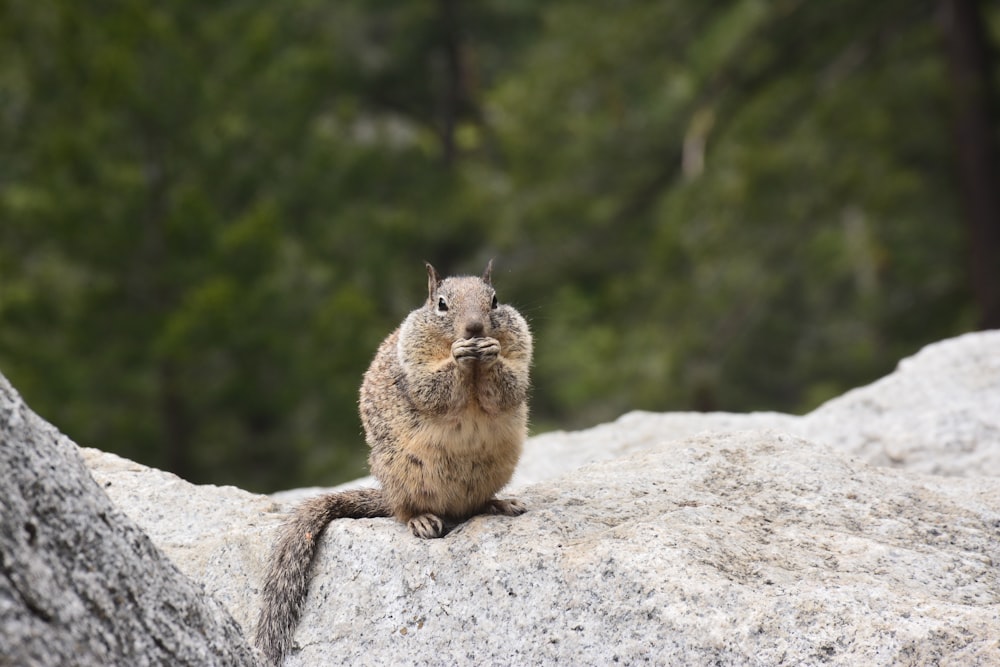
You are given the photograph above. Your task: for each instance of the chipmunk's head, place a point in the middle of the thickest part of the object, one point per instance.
(468, 304)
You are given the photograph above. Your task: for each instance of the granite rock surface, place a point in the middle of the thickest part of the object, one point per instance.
(866, 532)
(80, 583)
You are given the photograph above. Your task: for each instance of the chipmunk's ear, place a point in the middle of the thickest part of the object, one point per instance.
(433, 280)
(488, 273)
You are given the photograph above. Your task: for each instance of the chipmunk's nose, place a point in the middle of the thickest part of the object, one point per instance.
(474, 328)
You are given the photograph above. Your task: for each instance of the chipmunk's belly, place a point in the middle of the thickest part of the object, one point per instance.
(452, 465)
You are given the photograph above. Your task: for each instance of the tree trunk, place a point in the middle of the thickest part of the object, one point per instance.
(455, 94)
(175, 423)
(976, 150)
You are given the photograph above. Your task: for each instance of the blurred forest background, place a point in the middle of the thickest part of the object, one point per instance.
(212, 213)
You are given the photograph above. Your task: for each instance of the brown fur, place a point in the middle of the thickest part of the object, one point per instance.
(444, 408)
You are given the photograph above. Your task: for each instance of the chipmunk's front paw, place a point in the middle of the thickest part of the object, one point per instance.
(468, 352)
(506, 507)
(465, 351)
(427, 526)
(487, 350)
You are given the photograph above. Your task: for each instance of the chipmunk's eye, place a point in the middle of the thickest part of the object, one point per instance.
(495, 302)
(442, 305)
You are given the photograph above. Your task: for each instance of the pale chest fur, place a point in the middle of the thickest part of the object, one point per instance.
(451, 465)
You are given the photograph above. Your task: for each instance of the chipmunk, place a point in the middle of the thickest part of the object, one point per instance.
(445, 413)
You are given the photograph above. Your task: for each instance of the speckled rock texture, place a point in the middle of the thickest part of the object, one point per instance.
(724, 549)
(80, 583)
(758, 539)
(938, 413)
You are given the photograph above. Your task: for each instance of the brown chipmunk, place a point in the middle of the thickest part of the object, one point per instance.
(444, 408)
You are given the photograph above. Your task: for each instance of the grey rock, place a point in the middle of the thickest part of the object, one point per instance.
(751, 547)
(81, 584)
(938, 413)
(663, 539)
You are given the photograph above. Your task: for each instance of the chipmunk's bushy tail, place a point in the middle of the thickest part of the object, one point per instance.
(286, 581)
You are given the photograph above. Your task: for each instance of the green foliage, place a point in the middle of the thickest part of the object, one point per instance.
(210, 215)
